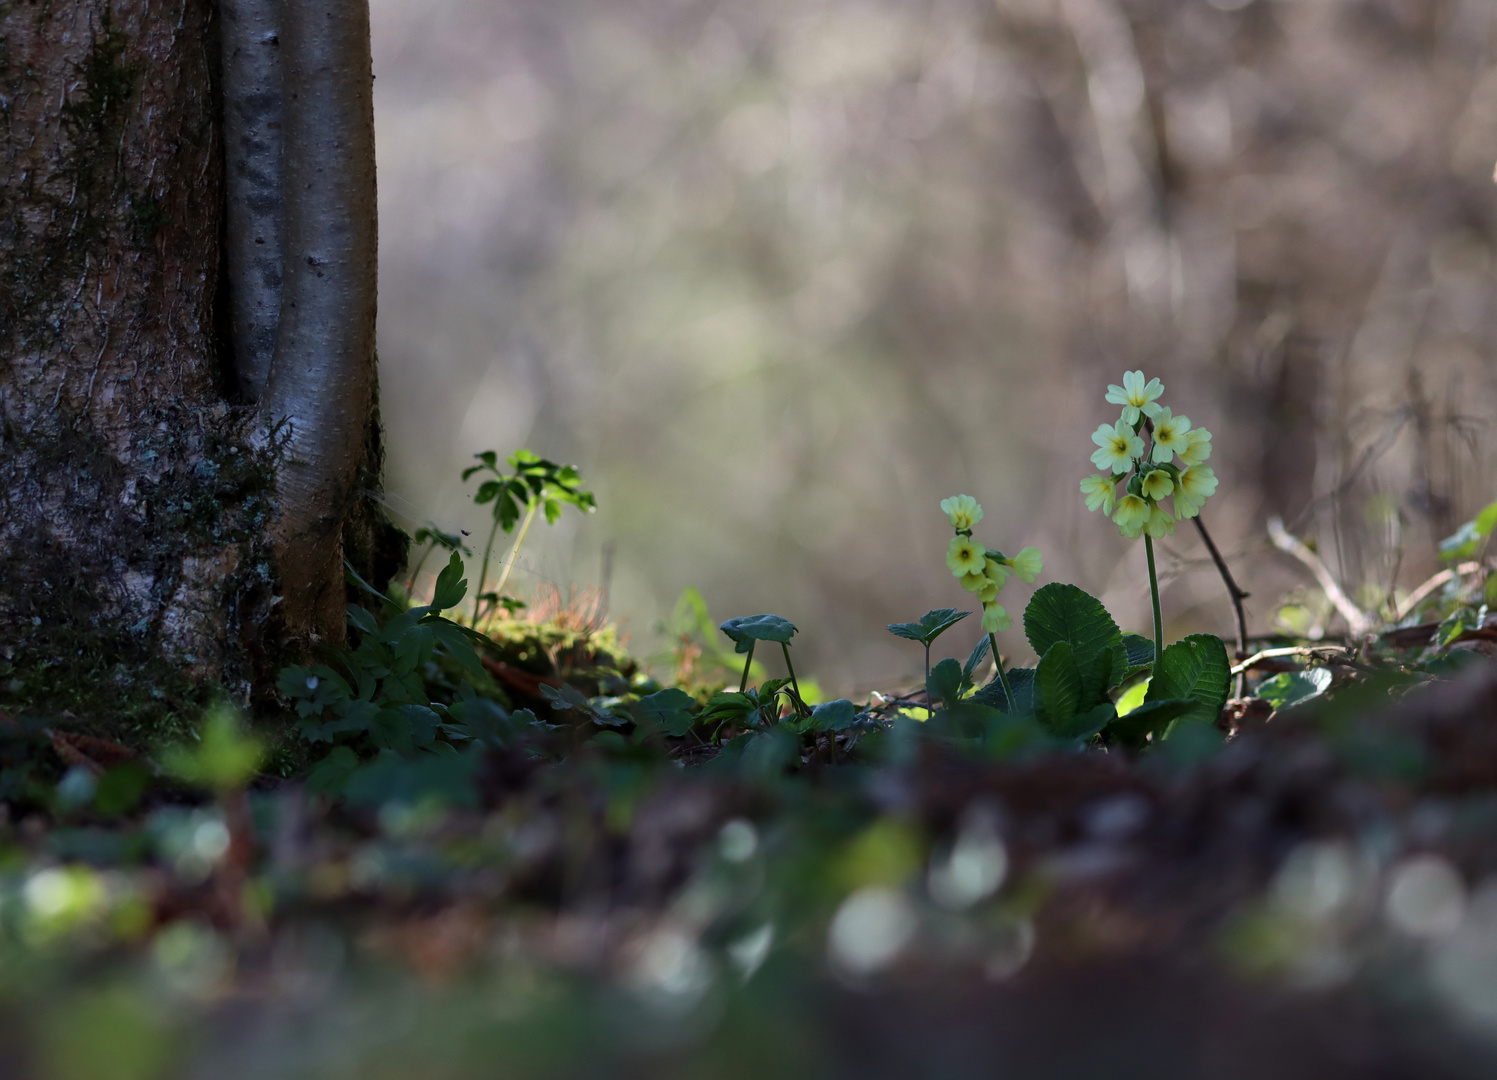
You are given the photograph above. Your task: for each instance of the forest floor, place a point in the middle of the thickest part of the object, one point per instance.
(1314, 896)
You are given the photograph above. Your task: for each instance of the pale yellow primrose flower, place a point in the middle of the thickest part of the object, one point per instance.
(1135, 397)
(994, 618)
(974, 582)
(1027, 563)
(963, 510)
(995, 572)
(1171, 435)
(1197, 484)
(1118, 446)
(1157, 484)
(1099, 492)
(1160, 524)
(989, 591)
(1200, 446)
(965, 556)
(1132, 515)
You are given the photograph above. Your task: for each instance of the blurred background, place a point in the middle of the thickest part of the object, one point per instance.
(778, 276)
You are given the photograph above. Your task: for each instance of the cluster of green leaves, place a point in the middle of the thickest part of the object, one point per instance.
(376, 698)
(535, 484)
(1085, 662)
(534, 480)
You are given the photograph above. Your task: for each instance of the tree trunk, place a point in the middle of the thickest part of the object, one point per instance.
(150, 505)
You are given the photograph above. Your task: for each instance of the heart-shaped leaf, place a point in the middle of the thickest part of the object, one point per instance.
(1059, 612)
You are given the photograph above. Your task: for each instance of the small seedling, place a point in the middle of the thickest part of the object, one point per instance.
(748, 630)
(535, 485)
(931, 626)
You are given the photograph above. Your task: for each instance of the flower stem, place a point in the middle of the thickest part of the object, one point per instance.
(747, 663)
(1154, 595)
(795, 686)
(1008, 690)
(929, 711)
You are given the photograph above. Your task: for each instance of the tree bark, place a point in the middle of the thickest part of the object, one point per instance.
(158, 539)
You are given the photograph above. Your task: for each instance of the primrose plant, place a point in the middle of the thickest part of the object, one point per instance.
(983, 571)
(1139, 450)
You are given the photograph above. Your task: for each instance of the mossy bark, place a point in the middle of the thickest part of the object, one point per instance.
(139, 492)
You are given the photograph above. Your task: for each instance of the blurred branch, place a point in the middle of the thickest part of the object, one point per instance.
(1357, 620)
(1417, 597)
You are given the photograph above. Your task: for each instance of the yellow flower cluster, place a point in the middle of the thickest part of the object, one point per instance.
(983, 572)
(1149, 471)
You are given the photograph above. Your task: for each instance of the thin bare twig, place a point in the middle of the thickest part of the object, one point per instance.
(1357, 620)
(1415, 598)
(1313, 652)
(1235, 591)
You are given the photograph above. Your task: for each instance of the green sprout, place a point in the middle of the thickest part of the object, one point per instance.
(931, 626)
(1149, 474)
(535, 485)
(983, 572)
(748, 630)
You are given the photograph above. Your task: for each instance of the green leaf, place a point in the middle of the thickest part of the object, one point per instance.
(670, 708)
(1152, 718)
(931, 625)
(1290, 688)
(1097, 676)
(749, 628)
(450, 588)
(1089, 723)
(836, 715)
(456, 640)
(1022, 681)
(1140, 650)
(945, 683)
(1487, 519)
(362, 619)
(1059, 684)
(728, 706)
(1462, 543)
(974, 658)
(1195, 667)
(1133, 697)
(1059, 612)
(330, 775)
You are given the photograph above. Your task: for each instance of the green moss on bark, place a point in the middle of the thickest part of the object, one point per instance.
(93, 619)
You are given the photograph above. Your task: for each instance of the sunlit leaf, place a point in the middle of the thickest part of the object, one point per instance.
(1290, 688)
